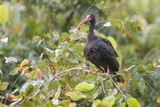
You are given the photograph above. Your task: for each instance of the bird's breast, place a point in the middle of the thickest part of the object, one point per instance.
(88, 50)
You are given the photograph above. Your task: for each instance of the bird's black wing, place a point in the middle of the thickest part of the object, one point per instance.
(103, 49)
(104, 54)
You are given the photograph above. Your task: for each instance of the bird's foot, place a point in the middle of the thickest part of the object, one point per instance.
(107, 75)
(99, 70)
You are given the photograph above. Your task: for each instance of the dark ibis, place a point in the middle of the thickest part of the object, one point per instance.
(98, 50)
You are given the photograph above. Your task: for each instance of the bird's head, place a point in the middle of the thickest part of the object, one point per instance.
(89, 18)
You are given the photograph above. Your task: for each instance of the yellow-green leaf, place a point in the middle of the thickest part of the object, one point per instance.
(123, 104)
(132, 102)
(29, 90)
(119, 58)
(72, 105)
(57, 94)
(113, 41)
(158, 102)
(141, 85)
(96, 103)
(76, 95)
(3, 85)
(84, 86)
(109, 38)
(141, 69)
(4, 14)
(109, 101)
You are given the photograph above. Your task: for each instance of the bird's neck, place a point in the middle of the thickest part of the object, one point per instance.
(91, 31)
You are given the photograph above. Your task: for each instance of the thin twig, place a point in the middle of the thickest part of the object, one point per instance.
(103, 88)
(70, 16)
(144, 80)
(149, 84)
(17, 102)
(13, 85)
(72, 69)
(88, 9)
(117, 87)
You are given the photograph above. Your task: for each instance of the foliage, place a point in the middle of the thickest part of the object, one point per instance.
(41, 53)
(4, 14)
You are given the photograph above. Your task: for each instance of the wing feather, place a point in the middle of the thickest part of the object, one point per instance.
(102, 50)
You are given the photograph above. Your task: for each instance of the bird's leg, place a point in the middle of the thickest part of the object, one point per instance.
(100, 69)
(107, 75)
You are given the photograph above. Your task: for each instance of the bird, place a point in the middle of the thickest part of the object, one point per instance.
(99, 51)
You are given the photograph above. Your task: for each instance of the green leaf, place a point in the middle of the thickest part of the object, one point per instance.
(48, 104)
(3, 85)
(57, 94)
(84, 86)
(28, 104)
(141, 86)
(1, 73)
(123, 104)
(4, 14)
(149, 66)
(13, 72)
(29, 90)
(96, 103)
(113, 41)
(76, 95)
(52, 85)
(65, 103)
(119, 58)
(36, 38)
(141, 69)
(109, 38)
(2, 105)
(109, 101)
(158, 101)
(133, 102)
(48, 36)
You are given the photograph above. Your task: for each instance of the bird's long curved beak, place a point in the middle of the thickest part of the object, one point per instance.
(80, 24)
(85, 20)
